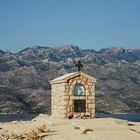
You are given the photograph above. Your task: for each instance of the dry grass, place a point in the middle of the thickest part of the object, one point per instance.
(17, 137)
(38, 134)
(76, 127)
(4, 136)
(35, 134)
(42, 129)
(85, 130)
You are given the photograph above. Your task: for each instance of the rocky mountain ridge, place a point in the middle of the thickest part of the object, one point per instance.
(25, 76)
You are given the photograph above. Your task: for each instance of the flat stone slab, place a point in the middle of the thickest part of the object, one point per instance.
(135, 129)
(115, 135)
(108, 129)
(101, 124)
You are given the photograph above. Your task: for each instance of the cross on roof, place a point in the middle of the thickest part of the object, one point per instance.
(79, 65)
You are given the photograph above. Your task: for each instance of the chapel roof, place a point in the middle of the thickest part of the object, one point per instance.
(68, 76)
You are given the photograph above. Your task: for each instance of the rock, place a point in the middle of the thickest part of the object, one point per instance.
(121, 122)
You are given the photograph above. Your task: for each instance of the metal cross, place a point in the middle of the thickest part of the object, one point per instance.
(79, 65)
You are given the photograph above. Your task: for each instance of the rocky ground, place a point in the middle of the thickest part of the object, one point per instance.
(44, 127)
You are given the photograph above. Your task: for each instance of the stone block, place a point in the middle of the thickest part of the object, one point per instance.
(63, 107)
(64, 111)
(64, 103)
(93, 105)
(89, 87)
(70, 80)
(70, 93)
(90, 84)
(85, 79)
(73, 83)
(82, 97)
(69, 85)
(68, 109)
(90, 105)
(91, 97)
(92, 93)
(78, 78)
(93, 110)
(86, 87)
(79, 81)
(70, 102)
(83, 82)
(65, 98)
(89, 81)
(72, 97)
(66, 86)
(90, 101)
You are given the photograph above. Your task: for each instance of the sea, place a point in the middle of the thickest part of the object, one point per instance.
(129, 117)
(25, 117)
(16, 117)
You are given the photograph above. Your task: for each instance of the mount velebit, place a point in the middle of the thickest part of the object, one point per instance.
(25, 76)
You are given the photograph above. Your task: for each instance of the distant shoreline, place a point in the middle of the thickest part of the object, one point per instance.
(18, 117)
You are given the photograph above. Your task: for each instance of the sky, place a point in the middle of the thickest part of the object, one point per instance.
(89, 24)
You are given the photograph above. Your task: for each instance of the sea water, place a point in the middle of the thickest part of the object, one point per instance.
(129, 117)
(18, 117)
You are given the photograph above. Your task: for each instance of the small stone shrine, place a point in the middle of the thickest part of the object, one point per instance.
(73, 95)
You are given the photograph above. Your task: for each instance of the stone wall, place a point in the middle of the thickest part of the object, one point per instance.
(58, 96)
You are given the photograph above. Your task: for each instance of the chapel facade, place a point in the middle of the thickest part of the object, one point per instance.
(73, 96)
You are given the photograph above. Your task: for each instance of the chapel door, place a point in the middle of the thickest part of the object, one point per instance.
(79, 106)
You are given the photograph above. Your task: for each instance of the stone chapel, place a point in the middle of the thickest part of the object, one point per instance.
(73, 96)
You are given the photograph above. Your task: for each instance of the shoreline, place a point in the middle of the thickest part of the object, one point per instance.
(18, 117)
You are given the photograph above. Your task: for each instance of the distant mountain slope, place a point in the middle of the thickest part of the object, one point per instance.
(25, 76)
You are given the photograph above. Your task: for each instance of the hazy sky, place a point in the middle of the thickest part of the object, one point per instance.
(92, 24)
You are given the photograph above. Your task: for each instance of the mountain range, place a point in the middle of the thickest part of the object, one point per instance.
(25, 76)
